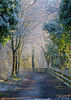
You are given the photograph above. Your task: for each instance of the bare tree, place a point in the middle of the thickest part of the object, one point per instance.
(19, 36)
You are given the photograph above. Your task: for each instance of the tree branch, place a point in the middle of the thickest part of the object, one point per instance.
(8, 45)
(29, 6)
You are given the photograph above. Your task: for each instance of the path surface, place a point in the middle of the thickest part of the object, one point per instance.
(40, 86)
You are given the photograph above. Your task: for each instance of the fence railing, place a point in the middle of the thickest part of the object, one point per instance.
(64, 77)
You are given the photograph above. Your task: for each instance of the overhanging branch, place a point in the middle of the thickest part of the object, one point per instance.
(29, 6)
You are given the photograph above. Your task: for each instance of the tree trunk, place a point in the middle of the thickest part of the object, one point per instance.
(18, 65)
(14, 63)
(19, 57)
(49, 60)
(33, 59)
(63, 67)
(16, 56)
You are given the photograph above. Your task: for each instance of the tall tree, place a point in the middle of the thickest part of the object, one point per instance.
(65, 21)
(18, 37)
(60, 32)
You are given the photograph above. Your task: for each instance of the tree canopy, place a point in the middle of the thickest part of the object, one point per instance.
(9, 10)
(65, 13)
(60, 30)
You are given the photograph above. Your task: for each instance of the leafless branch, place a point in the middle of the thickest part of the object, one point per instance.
(29, 6)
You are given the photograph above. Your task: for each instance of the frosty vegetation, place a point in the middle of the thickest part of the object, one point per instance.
(60, 34)
(9, 10)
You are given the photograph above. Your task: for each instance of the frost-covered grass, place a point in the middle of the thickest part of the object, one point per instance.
(16, 79)
(10, 83)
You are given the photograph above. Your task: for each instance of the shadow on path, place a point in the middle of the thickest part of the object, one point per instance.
(39, 85)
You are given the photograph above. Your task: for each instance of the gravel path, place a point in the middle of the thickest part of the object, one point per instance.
(39, 86)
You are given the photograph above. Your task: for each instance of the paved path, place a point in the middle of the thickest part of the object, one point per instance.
(40, 86)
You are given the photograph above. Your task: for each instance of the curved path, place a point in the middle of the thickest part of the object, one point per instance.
(40, 86)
